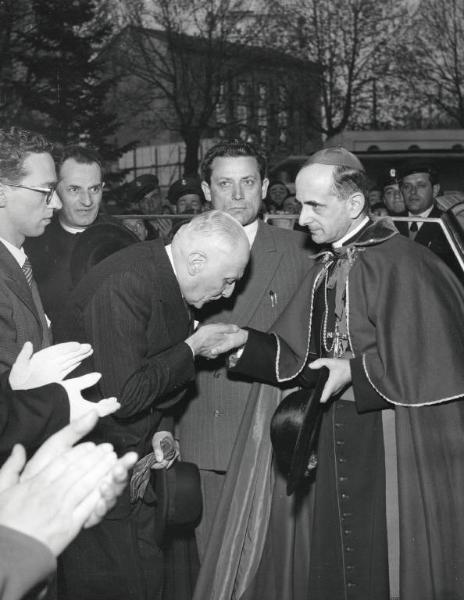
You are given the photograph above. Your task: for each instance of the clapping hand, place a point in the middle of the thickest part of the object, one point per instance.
(49, 365)
(62, 489)
(78, 405)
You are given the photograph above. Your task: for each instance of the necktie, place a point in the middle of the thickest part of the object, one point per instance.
(413, 227)
(27, 270)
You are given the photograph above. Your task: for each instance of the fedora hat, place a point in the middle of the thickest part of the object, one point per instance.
(295, 428)
(178, 495)
(96, 243)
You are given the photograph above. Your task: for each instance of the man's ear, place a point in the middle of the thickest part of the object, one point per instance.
(356, 204)
(206, 191)
(196, 262)
(264, 187)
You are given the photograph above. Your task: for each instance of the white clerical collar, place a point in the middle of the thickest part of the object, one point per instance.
(351, 233)
(422, 214)
(18, 253)
(70, 229)
(251, 230)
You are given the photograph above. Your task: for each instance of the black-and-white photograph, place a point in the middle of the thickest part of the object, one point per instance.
(231, 299)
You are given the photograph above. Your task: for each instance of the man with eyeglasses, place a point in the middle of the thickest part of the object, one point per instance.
(80, 189)
(27, 200)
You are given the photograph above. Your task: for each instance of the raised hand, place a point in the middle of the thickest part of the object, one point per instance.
(78, 405)
(49, 365)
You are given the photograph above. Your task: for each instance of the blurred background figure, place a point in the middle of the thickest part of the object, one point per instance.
(145, 193)
(379, 210)
(136, 225)
(374, 196)
(276, 194)
(187, 196)
(391, 194)
(291, 206)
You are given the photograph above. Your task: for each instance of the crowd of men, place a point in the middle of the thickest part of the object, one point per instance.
(199, 335)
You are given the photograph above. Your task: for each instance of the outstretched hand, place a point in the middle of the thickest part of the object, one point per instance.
(49, 365)
(207, 338)
(229, 341)
(78, 405)
(339, 375)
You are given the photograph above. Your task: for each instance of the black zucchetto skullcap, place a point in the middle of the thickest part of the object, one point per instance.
(336, 156)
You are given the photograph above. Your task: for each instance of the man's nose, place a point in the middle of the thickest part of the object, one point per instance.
(305, 216)
(237, 191)
(55, 202)
(85, 198)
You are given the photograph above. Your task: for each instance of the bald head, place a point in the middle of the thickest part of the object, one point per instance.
(210, 254)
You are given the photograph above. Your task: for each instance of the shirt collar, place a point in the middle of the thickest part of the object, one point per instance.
(342, 241)
(251, 230)
(72, 230)
(18, 253)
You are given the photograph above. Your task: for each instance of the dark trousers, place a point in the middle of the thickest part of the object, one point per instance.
(115, 560)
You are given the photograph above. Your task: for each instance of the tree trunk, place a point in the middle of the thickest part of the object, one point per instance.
(192, 146)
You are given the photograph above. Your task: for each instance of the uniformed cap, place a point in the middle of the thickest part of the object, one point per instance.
(410, 168)
(336, 156)
(142, 185)
(186, 185)
(391, 178)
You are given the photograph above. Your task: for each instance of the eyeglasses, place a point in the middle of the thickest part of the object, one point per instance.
(48, 191)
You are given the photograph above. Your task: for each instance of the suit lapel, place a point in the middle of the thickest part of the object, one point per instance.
(14, 278)
(265, 258)
(428, 231)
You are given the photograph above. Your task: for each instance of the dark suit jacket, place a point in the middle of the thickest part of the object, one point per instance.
(50, 255)
(130, 308)
(431, 236)
(29, 417)
(19, 318)
(208, 428)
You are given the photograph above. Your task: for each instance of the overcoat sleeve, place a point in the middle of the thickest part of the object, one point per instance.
(124, 325)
